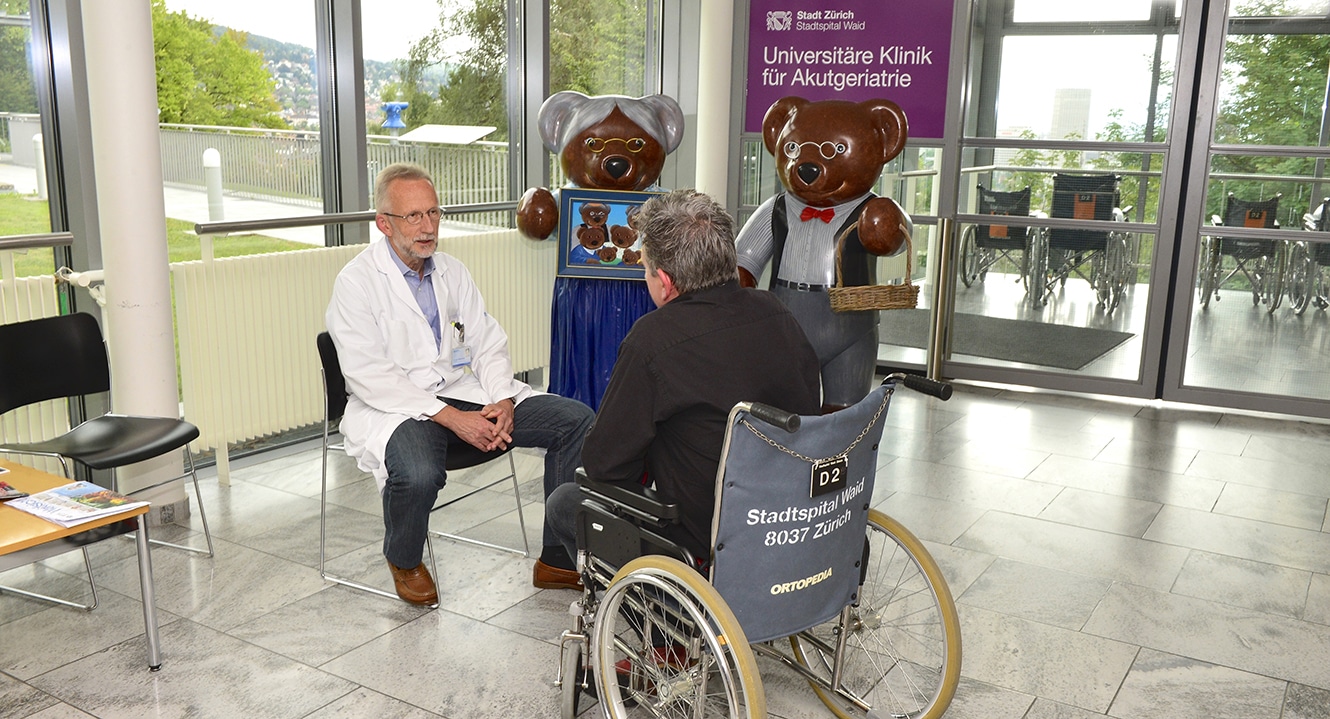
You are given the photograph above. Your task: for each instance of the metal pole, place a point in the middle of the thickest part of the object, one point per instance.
(944, 290)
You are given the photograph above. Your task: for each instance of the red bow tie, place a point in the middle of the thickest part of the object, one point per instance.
(811, 212)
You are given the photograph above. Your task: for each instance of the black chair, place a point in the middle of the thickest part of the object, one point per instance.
(64, 357)
(983, 246)
(460, 456)
(1260, 262)
(1069, 251)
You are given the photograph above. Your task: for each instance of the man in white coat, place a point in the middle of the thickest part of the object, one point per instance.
(426, 367)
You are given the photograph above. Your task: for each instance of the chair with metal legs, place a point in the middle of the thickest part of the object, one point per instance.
(460, 456)
(65, 357)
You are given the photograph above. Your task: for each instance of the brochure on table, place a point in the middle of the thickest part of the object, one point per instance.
(75, 503)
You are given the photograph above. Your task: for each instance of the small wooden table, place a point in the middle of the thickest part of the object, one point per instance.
(25, 538)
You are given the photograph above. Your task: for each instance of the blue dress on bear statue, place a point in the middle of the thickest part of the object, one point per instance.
(590, 318)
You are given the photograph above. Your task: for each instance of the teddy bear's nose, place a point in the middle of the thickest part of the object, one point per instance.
(808, 172)
(617, 166)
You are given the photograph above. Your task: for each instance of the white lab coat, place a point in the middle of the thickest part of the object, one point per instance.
(393, 370)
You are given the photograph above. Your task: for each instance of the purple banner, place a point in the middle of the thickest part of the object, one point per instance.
(851, 50)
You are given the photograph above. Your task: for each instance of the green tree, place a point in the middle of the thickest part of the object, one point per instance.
(205, 78)
(17, 91)
(596, 47)
(1276, 96)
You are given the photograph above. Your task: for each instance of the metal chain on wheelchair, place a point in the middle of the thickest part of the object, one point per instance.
(885, 399)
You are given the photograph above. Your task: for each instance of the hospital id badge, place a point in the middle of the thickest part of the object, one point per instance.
(462, 356)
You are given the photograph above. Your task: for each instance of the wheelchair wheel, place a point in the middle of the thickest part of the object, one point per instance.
(1209, 270)
(572, 675)
(1272, 282)
(666, 645)
(971, 258)
(1299, 281)
(1036, 268)
(903, 649)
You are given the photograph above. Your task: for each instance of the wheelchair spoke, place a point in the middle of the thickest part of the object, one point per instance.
(902, 639)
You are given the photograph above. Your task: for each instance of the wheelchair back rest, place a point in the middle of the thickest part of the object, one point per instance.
(1246, 213)
(1083, 197)
(1262, 214)
(791, 516)
(992, 202)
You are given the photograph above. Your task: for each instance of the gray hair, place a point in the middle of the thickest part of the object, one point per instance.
(392, 173)
(691, 237)
(564, 114)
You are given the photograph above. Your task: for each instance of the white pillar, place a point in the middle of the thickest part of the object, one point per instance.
(212, 179)
(712, 129)
(126, 148)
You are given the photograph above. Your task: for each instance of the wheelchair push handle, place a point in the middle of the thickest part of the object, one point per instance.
(787, 421)
(930, 387)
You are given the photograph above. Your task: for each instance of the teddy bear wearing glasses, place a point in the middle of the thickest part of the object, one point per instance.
(605, 142)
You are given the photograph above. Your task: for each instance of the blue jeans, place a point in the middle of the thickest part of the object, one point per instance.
(416, 454)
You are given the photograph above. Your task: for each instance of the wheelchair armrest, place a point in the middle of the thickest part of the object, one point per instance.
(639, 500)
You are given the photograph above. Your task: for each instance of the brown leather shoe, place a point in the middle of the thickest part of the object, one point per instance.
(414, 586)
(547, 577)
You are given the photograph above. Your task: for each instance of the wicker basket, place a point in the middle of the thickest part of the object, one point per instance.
(874, 297)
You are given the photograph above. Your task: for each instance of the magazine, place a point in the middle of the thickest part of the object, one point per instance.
(74, 503)
(8, 491)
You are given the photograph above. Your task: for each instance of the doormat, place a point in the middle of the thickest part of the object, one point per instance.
(1036, 343)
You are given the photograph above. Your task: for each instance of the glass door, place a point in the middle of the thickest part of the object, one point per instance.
(1252, 322)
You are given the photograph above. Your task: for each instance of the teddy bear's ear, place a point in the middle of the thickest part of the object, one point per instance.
(670, 116)
(554, 115)
(777, 115)
(890, 121)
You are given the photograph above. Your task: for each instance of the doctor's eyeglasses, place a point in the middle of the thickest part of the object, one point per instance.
(416, 217)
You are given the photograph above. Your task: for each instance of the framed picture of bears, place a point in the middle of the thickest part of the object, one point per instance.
(598, 233)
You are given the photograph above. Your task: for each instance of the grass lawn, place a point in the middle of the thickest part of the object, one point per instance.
(25, 215)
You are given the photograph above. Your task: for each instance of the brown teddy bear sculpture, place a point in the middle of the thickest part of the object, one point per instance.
(829, 155)
(607, 142)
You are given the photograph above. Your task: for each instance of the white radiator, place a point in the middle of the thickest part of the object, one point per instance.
(30, 298)
(246, 327)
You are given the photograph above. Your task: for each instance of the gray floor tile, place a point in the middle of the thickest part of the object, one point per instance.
(1167, 685)
(1318, 600)
(1264, 644)
(18, 699)
(457, 669)
(1272, 505)
(939, 520)
(1045, 709)
(1304, 702)
(1243, 583)
(1246, 538)
(1147, 455)
(1135, 482)
(970, 487)
(1105, 512)
(365, 703)
(1041, 660)
(979, 700)
(1036, 593)
(1073, 549)
(204, 674)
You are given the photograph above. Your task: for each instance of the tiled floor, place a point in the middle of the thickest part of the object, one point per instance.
(1134, 561)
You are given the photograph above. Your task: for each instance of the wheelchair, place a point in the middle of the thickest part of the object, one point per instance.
(801, 570)
(983, 246)
(1304, 280)
(1260, 262)
(1103, 258)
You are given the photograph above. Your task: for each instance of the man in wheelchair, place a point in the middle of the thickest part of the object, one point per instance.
(709, 345)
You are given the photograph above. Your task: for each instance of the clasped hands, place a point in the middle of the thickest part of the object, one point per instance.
(487, 429)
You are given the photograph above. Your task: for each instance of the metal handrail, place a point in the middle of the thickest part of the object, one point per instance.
(337, 218)
(25, 242)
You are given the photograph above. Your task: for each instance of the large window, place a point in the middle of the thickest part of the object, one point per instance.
(238, 105)
(23, 193)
